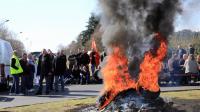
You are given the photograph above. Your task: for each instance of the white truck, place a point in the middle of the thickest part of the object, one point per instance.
(5, 57)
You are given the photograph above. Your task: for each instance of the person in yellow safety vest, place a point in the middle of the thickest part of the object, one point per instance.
(15, 70)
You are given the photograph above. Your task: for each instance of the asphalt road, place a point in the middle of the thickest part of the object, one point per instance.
(71, 92)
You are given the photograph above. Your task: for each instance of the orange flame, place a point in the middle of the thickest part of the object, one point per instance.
(117, 78)
(94, 46)
(151, 66)
(116, 75)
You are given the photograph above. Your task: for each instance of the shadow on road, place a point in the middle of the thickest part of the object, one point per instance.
(70, 93)
(6, 99)
(53, 94)
(85, 91)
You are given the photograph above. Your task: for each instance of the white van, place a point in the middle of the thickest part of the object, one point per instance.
(5, 55)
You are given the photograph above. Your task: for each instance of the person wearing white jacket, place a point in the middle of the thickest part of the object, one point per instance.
(191, 65)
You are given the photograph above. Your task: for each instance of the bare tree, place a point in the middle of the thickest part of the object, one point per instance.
(9, 36)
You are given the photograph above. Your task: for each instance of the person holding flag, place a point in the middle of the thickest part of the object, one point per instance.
(94, 57)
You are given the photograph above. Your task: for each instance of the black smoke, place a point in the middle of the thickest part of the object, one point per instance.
(131, 24)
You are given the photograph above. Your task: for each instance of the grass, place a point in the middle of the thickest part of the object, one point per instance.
(68, 105)
(186, 95)
(60, 106)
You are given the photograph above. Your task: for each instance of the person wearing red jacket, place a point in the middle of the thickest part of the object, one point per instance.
(94, 60)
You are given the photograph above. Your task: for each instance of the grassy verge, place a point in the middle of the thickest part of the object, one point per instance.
(188, 101)
(180, 98)
(187, 95)
(60, 106)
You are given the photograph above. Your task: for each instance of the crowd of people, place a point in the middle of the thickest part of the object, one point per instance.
(57, 69)
(83, 67)
(184, 65)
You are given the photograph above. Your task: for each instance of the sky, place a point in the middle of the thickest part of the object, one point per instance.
(50, 23)
(189, 17)
(46, 23)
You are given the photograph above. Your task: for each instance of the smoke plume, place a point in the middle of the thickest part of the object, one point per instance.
(188, 17)
(130, 25)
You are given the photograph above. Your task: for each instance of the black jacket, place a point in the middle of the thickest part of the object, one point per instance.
(72, 59)
(60, 65)
(44, 65)
(85, 59)
(191, 50)
(25, 66)
(78, 59)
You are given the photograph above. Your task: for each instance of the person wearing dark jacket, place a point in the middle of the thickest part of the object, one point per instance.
(31, 63)
(85, 60)
(25, 74)
(181, 52)
(76, 74)
(72, 61)
(173, 66)
(60, 69)
(78, 58)
(44, 70)
(191, 49)
(51, 77)
(93, 61)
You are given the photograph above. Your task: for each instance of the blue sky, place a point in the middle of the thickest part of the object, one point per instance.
(49, 23)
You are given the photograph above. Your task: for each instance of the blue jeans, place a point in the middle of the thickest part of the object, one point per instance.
(61, 81)
(30, 79)
(85, 78)
(93, 69)
(15, 85)
(24, 83)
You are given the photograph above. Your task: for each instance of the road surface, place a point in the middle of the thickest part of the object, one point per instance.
(71, 92)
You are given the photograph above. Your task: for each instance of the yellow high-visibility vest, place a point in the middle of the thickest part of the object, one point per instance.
(14, 71)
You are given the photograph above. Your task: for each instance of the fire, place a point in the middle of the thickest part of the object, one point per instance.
(93, 45)
(116, 75)
(117, 78)
(151, 66)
